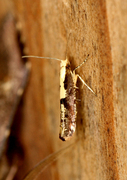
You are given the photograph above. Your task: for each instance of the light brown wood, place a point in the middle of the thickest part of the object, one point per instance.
(75, 29)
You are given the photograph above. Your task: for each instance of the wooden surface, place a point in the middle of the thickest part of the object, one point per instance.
(76, 29)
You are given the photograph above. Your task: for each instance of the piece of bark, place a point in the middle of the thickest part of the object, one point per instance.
(76, 29)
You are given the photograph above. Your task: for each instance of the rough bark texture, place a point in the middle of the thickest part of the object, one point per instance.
(56, 28)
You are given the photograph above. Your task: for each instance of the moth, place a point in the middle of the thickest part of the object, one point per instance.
(68, 112)
(68, 81)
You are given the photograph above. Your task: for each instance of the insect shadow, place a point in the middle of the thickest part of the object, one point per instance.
(80, 103)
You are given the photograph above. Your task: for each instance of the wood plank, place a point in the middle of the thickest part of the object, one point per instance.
(76, 29)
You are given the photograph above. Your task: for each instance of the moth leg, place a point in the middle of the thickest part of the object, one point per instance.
(76, 87)
(85, 83)
(75, 77)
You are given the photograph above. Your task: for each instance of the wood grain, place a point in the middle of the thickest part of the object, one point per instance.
(75, 29)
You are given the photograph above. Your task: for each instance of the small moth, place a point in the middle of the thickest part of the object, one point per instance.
(68, 80)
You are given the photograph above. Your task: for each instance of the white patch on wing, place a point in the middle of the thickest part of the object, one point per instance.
(62, 79)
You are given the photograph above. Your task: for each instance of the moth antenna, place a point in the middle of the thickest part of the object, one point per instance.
(86, 84)
(82, 63)
(39, 168)
(39, 57)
